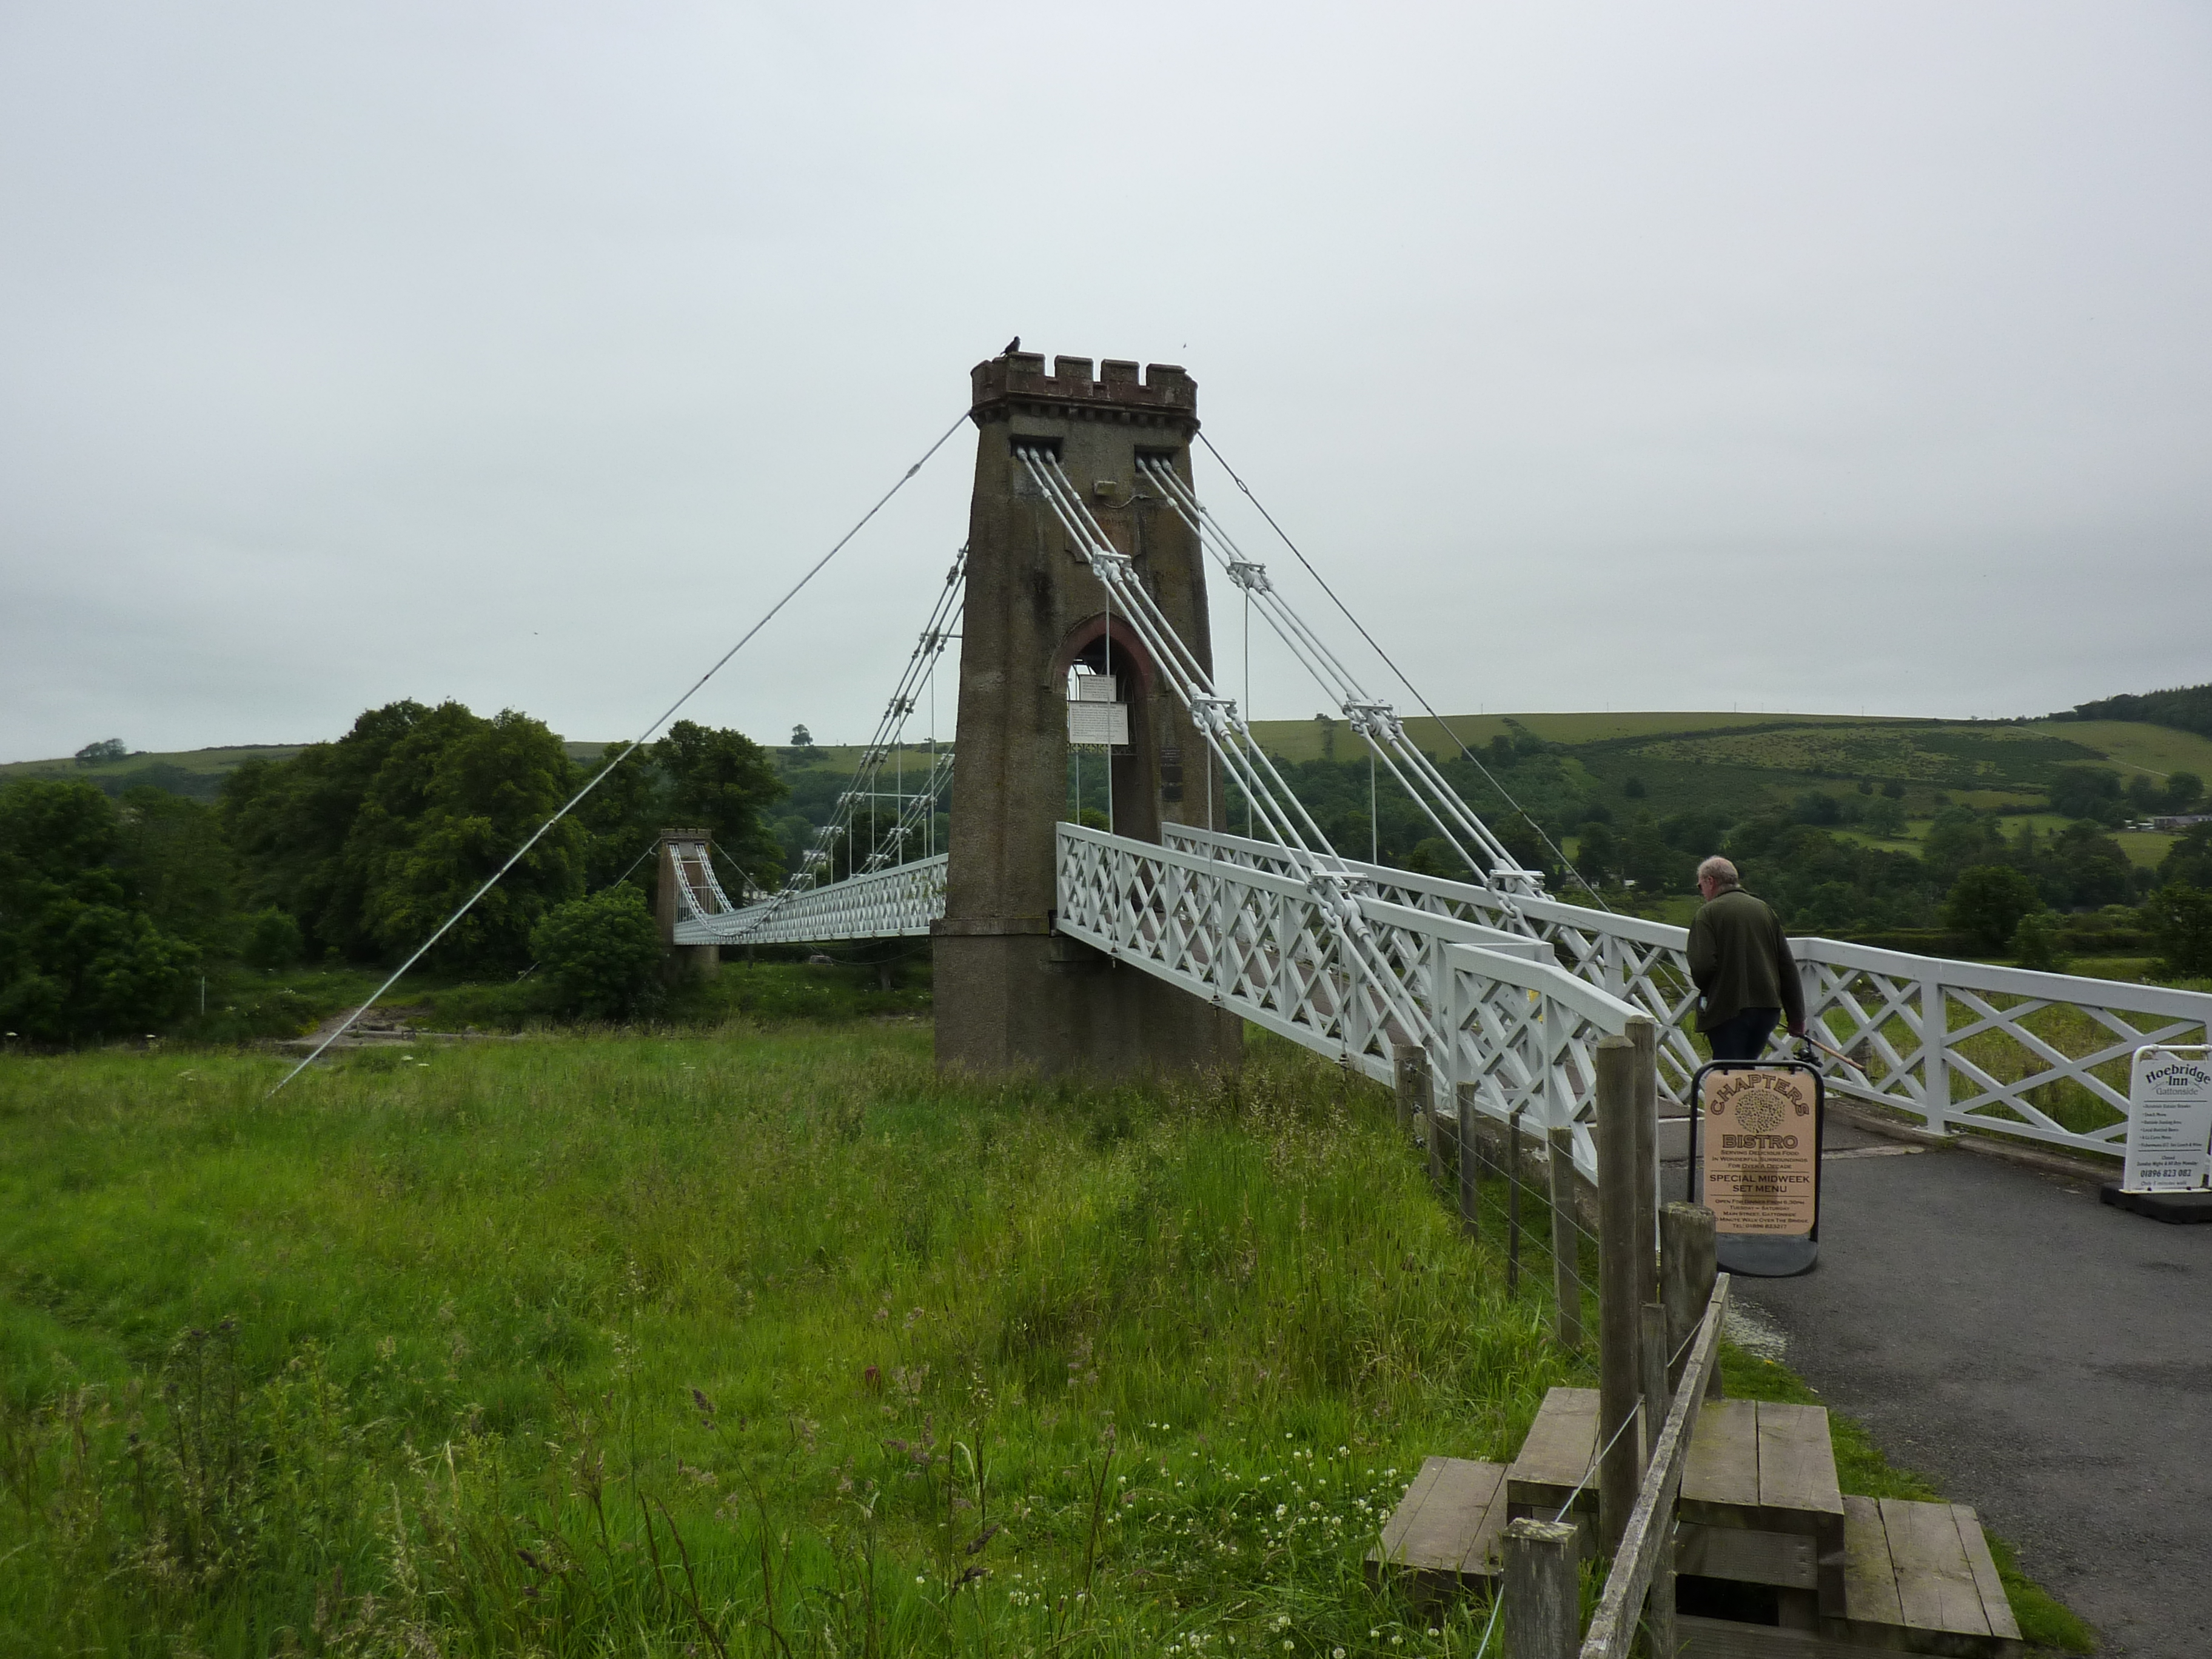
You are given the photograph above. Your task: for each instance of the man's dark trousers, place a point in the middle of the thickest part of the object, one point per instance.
(1744, 1036)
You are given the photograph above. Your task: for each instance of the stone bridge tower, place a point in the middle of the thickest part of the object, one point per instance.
(1010, 993)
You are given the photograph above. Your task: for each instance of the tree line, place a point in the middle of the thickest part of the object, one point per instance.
(351, 852)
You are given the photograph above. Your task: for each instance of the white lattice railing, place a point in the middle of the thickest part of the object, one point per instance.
(1956, 1044)
(1512, 979)
(1520, 1027)
(893, 903)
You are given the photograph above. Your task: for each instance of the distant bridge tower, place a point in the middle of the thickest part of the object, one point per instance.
(1009, 993)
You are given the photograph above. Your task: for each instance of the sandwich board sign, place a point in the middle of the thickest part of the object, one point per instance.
(2169, 1120)
(1755, 1163)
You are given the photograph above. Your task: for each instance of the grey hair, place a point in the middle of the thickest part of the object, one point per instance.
(1723, 873)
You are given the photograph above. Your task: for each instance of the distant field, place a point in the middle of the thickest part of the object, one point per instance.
(202, 769)
(209, 762)
(1301, 740)
(2134, 747)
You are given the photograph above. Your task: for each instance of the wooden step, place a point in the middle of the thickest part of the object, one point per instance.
(1443, 1537)
(1919, 1577)
(1752, 1464)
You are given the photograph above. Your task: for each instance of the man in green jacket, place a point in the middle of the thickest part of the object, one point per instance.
(1741, 962)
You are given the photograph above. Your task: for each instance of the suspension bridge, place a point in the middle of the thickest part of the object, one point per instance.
(1079, 605)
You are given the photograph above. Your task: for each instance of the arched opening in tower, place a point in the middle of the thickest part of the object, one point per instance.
(1113, 774)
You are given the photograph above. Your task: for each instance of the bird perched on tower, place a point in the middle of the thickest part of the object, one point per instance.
(1012, 346)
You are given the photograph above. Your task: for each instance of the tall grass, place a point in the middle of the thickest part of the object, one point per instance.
(766, 1342)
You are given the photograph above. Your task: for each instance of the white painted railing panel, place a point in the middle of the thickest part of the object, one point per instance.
(1259, 944)
(1956, 1044)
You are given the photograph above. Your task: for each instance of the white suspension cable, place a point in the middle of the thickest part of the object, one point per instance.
(1376, 721)
(943, 626)
(636, 744)
(1472, 758)
(1335, 885)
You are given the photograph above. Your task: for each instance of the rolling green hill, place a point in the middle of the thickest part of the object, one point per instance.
(1664, 761)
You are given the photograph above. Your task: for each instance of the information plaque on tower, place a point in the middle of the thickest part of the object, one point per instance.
(1757, 1162)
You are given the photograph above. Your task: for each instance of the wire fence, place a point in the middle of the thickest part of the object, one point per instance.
(1518, 1189)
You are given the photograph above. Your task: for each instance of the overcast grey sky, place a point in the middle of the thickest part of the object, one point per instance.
(1812, 357)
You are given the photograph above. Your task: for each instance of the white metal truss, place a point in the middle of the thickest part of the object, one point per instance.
(1325, 875)
(1956, 1044)
(913, 812)
(699, 895)
(1517, 1030)
(899, 902)
(943, 626)
(1374, 720)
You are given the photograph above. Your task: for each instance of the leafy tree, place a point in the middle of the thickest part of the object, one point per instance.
(293, 825)
(2035, 943)
(1987, 901)
(1957, 838)
(1817, 807)
(801, 738)
(78, 958)
(1633, 789)
(1789, 864)
(108, 748)
(273, 939)
(1648, 860)
(1697, 834)
(2082, 791)
(1828, 908)
(2188, 862)
(600, 956)
(2179, 917)
(2086, 866)
(2184, 790)
(1519, 837)
(1597, 853)
(179, 863)
(452, 801)
(1885, 817)
(1893, 789)
(722, 780)
(1435, 857)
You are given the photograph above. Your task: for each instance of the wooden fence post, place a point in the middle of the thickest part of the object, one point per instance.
(1405, 1061)
(1657, 1397)
(1619, 1279)
(1566, 1247)
(1645, 1036)
(1543, 1600)
(1687, 1265)
(1424, 1101)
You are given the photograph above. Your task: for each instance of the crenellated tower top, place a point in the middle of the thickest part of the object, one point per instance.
(1016, 383)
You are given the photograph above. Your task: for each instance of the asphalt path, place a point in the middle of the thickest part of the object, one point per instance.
(2040, 1355)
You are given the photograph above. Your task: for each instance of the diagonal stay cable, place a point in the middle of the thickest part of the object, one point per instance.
(636, 744)
(1504, 794)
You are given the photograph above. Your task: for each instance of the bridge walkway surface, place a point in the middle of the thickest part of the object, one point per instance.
(2037, 1354)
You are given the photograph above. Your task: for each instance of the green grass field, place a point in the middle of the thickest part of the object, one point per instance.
(766, 1340)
